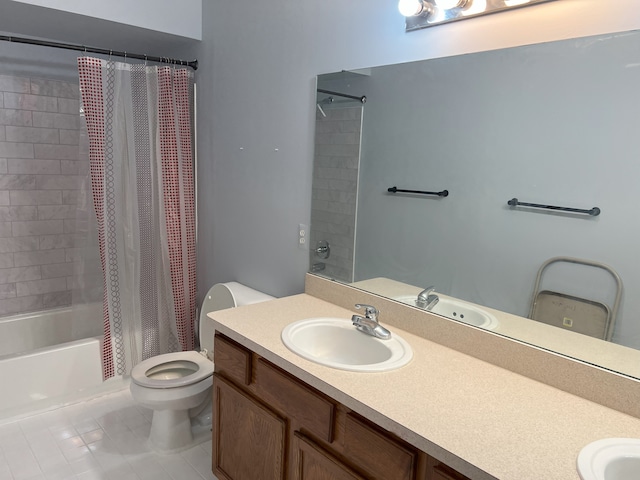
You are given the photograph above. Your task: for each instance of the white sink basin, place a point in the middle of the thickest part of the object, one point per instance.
(610, 459)
(335, 342)
(457, 310)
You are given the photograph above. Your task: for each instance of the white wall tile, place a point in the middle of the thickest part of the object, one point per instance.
(57, 299)
(20, 304)
(19, 244)
(55, 120)
(10, 83)
(57, 270)
(68, 106)
(69, 137)
(70, 197)
(37, 227)
(74, 167)
(40, 174)
(39, 257)
(54, 212)
(12, 275)
(56, 152)
(10, 214)
(17, 182)
(66, 240)
(7, 290)
(35, 197)
(37, 287)
(54, 88)
(6, 260)
(59, 182)
(36, 167)
(20, 118)
(32, 135)
(5, 229)
(16, 150)
(30, 102)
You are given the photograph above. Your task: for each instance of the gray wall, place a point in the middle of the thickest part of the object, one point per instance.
(256, 92)
(554, 124)
(256, 109)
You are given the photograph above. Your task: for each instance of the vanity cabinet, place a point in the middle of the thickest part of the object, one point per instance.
(270, 425)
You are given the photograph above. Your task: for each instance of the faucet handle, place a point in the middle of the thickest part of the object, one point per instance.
(369, 311)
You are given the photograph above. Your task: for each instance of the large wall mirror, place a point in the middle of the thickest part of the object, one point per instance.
(554, 124)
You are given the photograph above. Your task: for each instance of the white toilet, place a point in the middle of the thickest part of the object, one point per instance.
(177, 386)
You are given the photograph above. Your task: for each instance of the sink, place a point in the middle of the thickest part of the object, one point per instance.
(457, 310)
(610, 459)
(335, 342)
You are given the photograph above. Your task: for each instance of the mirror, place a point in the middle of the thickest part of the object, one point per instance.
(552, 124)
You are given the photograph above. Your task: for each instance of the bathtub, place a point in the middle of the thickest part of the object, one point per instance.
(48, 357)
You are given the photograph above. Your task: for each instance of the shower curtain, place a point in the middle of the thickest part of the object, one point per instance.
(139, 125)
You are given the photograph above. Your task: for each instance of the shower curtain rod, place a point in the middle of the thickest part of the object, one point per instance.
(362, 99)
(82, 48)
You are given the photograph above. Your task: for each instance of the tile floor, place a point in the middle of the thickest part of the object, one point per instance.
(100, 439)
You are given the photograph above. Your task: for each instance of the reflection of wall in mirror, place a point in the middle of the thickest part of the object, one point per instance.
(552, 123)
(334, 190)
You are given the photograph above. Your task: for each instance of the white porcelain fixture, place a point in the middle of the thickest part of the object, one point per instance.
(177, 386)
(457, 310)
(610, 459)
(335, 342)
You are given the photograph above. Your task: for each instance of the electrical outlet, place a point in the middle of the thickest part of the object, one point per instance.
(303, 236)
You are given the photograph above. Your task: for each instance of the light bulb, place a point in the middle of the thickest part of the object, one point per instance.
(410, 8)
(449, 4)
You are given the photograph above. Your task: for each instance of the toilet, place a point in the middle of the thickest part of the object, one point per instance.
(177, 386)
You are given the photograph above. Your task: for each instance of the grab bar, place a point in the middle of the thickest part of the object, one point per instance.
(594, 212)
(443, 193)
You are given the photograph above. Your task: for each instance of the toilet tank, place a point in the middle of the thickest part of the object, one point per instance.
(219, 297)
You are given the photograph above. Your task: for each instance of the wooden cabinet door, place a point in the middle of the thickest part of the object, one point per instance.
(248, 439)
(313, 463)
(441, 472)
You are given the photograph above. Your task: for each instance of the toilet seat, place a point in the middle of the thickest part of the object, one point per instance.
(203, 369)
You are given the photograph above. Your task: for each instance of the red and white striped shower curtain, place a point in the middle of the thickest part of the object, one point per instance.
(139, 125)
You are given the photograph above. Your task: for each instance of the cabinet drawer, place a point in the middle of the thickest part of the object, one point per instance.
(314, 412)
(377, 453)
(232, 360)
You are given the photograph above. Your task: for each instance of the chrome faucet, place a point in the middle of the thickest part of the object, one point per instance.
(369, 323)
(427, 299)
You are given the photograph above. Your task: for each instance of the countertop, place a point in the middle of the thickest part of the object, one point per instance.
(482, 420)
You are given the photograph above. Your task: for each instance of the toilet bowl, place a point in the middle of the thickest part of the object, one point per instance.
(177, 386)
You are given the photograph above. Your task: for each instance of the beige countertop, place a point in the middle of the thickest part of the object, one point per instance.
(480, 419)
(608, 355)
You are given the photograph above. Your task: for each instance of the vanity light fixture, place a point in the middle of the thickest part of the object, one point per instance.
(426, 13)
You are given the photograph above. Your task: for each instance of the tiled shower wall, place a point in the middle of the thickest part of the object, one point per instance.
(41, 175)
(335, 189)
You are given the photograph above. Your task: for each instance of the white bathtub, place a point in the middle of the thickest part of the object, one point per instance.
(49, 356)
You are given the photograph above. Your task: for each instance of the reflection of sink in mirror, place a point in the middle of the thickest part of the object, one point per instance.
(610, 459)
(335, 342)
(457, 310)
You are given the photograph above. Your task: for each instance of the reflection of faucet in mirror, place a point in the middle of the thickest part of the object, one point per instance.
(427, 299)
(369, 323)
(491, 258)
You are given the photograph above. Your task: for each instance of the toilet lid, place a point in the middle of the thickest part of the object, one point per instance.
(204, 370)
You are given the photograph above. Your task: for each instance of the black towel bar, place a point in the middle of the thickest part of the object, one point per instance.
(443, 193)
(594, 212)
